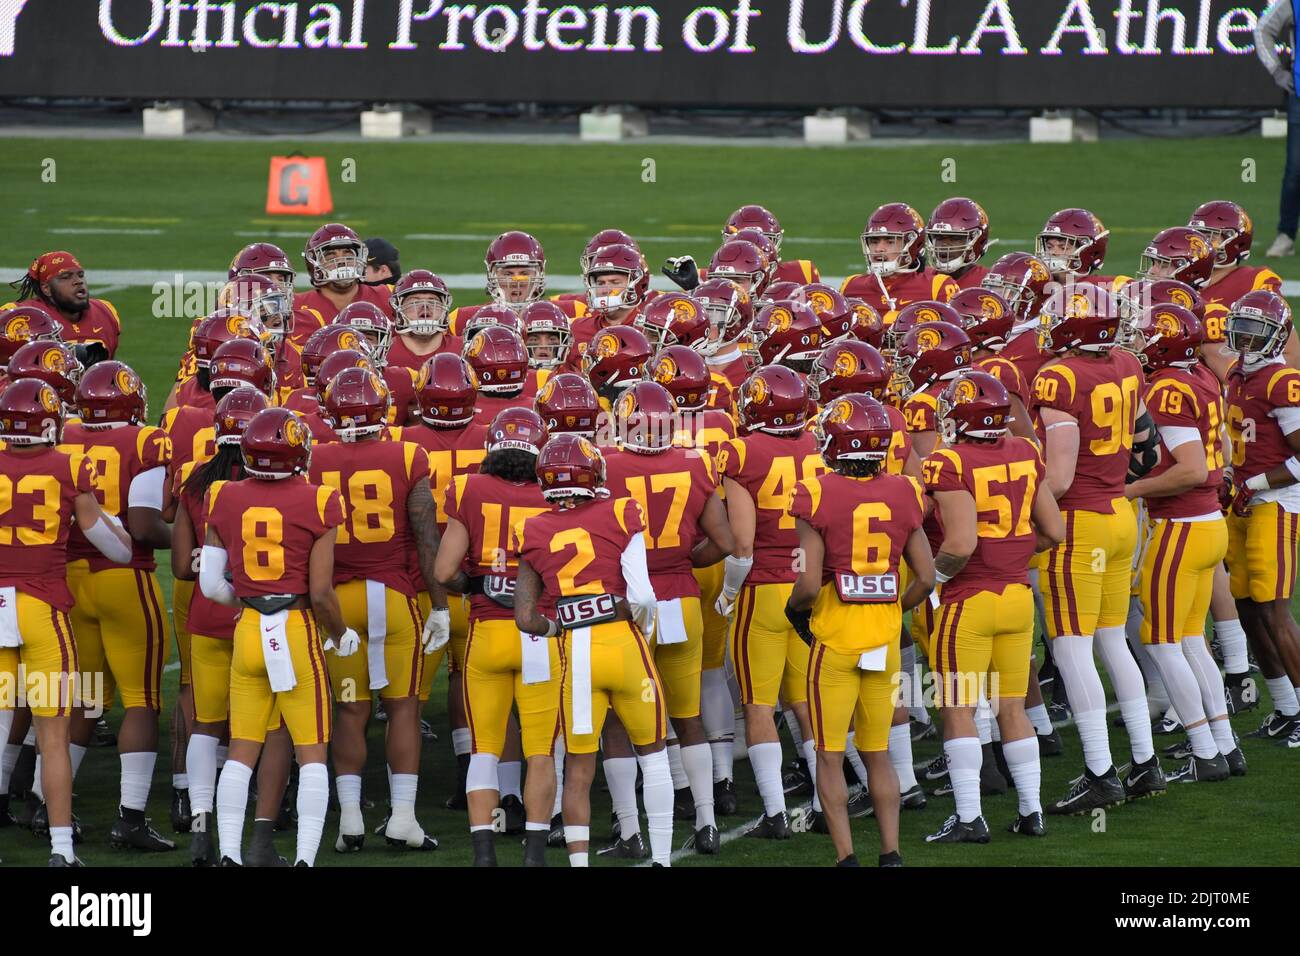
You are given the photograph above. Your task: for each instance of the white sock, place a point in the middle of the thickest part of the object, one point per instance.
(223, 750)
(983, 724)
(1072, 655)
(697, 767)
(1176, 673)
(855, 759)
(1207, 675)
(574, 835)
(402, 788)
(313, 801)
(1279, 688)
(461, 741)
(232, 803)
(719, 719)
(792, 725)
(8, 760)
(61, 842)
(509, 773)
(995, 731)
(1095, 739)
(900, 755)
(558, 752)
(137, 774)
(1232, 642)
(180, 781)
(675, 765)
(1026, 772)
(77, 753)
(1038, 717)
(620, 774)
(1126, 679)
(809, 749)
(740, 743)
(348, 787)
(38, 787)
(917, 711)
(201, 761)
(965, 756)
(724, 759)
(1223, 736)
(657, 792)
(766, 761)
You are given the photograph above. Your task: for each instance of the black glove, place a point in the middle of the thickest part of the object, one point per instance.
(682, 270)
(801, 621)
(89, 353)
(474, 584)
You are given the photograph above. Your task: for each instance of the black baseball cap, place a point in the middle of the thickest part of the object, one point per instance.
(381, 252)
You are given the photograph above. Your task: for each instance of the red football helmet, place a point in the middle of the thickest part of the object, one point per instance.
(109, 394)
(421, 301)
(218, 328)
(276, 444)
(785, 333)
(373, 323)
(957, 235)
(53, 363)
(616, 358)
(645, 417)
(335, 254)
(974, 405)
(488, 315)
(324, 342)
(498, 359)
(1169, 335)
(1134, 298)
(985, 316)
(1072, 243)
(625, 261)
(520, 429)
(775, 292)
(901, 223)
(570, 466)
(340, 361)
(23, 324)
(235, 411)
(1259, 324)
(846, 368)
(774, 399)
(758, 219)
(1021, 280)
(263, 258)
(1080, 317)
(568, 403)
(729, 309)
(31, 413)
(933, 352)
(832, 310)
(264, 300)
(1227, 228)
(867, 326)
(854, 428)
(241, 362)
(744, 264)
(765, 246)
(516, 269)
(606, 237)
(547, 334)
(1179, 253)
(673, 318)
(356, 404)
(446, 392)
(685, 374)
(914, 314)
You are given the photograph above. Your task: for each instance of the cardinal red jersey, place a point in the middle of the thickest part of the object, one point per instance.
(1102, 394)
(864, 523)
(586, 326)
(900, 445)
(492, 510)
(801, 271)
(307, 405)
(1258, 443)
(39, 491)
(580, 550)
(288, 365)
(117, 456)
(315, 300)
(1222, 294)
(192, 433)
(921, 410)
(1023, 352)
(451, 452)
(490, 404)
(972, 277)
(193, 395)
(672, 488)
(401, 382)
(574, 307)
(269, 528)
(98, 324)
(726, 377)
(374, 479)
(891, 293)
(769, 467)
(1002, 477)
(705, 431)
(1182, 399)
(288, 360)
(400, 354)
(206, 617)
(1008, 373)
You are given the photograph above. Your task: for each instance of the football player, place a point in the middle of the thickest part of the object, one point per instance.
(1187, 538)
(192, 386)
(588, 555)
(616, 361)
(1021, 280)
(855, 525)
(516, 275)
(787, 333)
(546, 335)
(502, 667)
(421, 302)
(323, 344)
(1072, 244)
(893, 243)
(1090, 403)
(956, 238)
(618, 286)
(377, 329)
(983, 637)
(282, 582)
(729, 310)
(754, 217)
(269, 305)
(56, 283)
(1263, 398)
(498, 359)
(26, 323)
(268, 259)
(50, 491)
(1229, 230)
(336, 266)
(986, 318)
(384, 487)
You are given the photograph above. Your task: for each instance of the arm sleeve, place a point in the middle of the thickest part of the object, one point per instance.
(1288, 419)
(147, 489)
(640, 593)
(1175, 436)
(212, 575)
(107, 542)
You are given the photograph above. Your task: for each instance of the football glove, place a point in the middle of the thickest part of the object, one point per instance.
(682, 270)
(1241, 502)
(1226, 490)
(725, 605)
(801, 621)
(348, 644)
(437, 630)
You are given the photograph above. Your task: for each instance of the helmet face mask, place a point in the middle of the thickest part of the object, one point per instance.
(423, 314)
(947, 250)
(1062, 254)
(516, 285)
(337, 261)
(1258, 326)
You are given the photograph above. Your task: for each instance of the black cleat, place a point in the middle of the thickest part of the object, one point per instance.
(180, 811)
(59, 860)
(203, 850)
(683, 804)
(933, 771)
(1276, 726)
(775, 827)
(415, 839)
(5, 819)
(992, 782)
(1145, 780)
(556, 837)
(1293, 742)
(924, 731)
(1028, 824)
(535, 848)
(860, 804)
(227, 861)
(1166, 725)
(849, 861)
(954, 831)
(103, 735)
(1179, 751)
(724, 798)
(796, 780)
(1049, 745)
(287, 818)
(633, 848)
(1236, 762)
(458, 801)
(1202, 770)
(137, 834)
(1000, 761)
(485, 848)
(262, 854)
(350, 842)
(815, 822)
(913, 799)
(1059, 712)
(707, 841)
(1090, 792)
(1240, 693)
(40, 823)
(426, 732)
(890, 860)
(513, 809)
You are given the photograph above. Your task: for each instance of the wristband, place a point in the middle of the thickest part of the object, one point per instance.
(940, 577)
(1293, 466)
(1257, 483)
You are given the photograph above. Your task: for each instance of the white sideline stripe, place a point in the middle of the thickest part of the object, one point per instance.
(104, 231)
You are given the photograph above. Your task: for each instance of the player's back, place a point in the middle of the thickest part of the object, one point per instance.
(1255, 400)
(1180, 398)
(451, 451)
(192, 434)
(40, 489)
(579, 551)
(704, 431)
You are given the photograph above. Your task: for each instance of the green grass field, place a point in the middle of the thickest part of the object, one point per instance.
(174, 207)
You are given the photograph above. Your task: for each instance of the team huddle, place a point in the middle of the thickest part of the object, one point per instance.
(649, 525)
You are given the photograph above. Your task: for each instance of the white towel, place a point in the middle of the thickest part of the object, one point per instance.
(580, 651)
(275, 651)
(376, 630)
(874, 659)
(9, 636)
(535, 657)
(672, 625)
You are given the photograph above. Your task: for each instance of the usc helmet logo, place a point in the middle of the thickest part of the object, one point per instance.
(683, 308)
(49, 401)
(665, 370)
(846, 364)
(237, 325)
(1166, 324)
(820, 301)
(605, 346)
(475, 346)
(1037, 270)
(547, 391)
(376, 383)
(1180, 297)
(780, 319)
(991, 308)
(839, 413)
(53, 360)
(1246, 224)
(626, 406)
(927, 339)
(1197, 246)
(127, 381)
(757, 390)
(19, 329)
(926, 315)
(917, 222)
(984, 217)
(588, 449)
(964, 392)
(295, 432)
